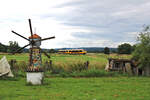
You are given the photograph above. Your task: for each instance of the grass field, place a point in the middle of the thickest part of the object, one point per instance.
(63, 57)
(97, 60)
(114, 86)
(68, 65)
(105, 88)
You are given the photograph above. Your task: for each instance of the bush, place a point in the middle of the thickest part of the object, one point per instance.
(106, 50)
(141, 53)
(125, 48)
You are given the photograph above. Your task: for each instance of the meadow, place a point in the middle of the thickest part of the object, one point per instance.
(67, 65)
(104, 88)
(96, 60)
(93, 83)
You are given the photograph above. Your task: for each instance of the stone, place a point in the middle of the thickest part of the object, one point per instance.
(128, 68)
(5, 68)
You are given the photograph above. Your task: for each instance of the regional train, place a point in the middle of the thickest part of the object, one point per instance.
(72, 51)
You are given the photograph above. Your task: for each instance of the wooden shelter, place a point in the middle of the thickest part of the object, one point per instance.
(117, 64)
(127, 65)
(124, 65)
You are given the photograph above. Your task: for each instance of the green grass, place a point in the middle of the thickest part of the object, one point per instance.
(110, 88)
(97, 60)
(68, 65)
(118, 87)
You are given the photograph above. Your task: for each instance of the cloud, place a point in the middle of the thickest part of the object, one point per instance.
(75, 23)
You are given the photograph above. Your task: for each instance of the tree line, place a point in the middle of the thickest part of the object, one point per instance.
(124, 48)
(11, 47)
(140, 51)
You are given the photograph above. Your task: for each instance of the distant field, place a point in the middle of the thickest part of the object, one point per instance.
(104, 88)
(97, 60)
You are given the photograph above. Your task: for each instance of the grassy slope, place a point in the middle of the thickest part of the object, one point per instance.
(118, 88)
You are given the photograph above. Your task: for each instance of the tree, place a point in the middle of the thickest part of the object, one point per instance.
(13, 46)
(3, 48)
(142, 50)
(52, 51)
(133, 47)
(106, 50)
(125, 48)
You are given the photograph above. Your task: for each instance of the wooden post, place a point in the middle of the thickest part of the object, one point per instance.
(124, 69)
(143, 71)
(86, 65)
(128, 68)
(108, 64)
(50, 65)
(132, 69)
(46, 66)
(121, 66)
(137, 71)
(12, 63)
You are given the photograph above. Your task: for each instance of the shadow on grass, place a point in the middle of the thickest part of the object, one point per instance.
(9, 78)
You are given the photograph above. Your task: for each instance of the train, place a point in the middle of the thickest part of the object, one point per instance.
(73, 51)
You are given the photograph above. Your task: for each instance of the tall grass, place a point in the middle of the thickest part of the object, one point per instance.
(66, 64)
(77, 69)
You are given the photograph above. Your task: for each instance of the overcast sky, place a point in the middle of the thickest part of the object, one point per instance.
(74, 23)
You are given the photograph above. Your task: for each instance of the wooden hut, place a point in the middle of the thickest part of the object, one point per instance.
(124, 65)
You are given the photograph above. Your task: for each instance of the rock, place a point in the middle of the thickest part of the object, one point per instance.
(5, 68)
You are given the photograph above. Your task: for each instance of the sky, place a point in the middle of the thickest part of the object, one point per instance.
(74, 23)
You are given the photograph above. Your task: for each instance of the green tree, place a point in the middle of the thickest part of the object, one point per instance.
(133, 47)
(142, 50)
(13, 46)
(125, 48)
(3, 48)
(106, 50)
(52, 51)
